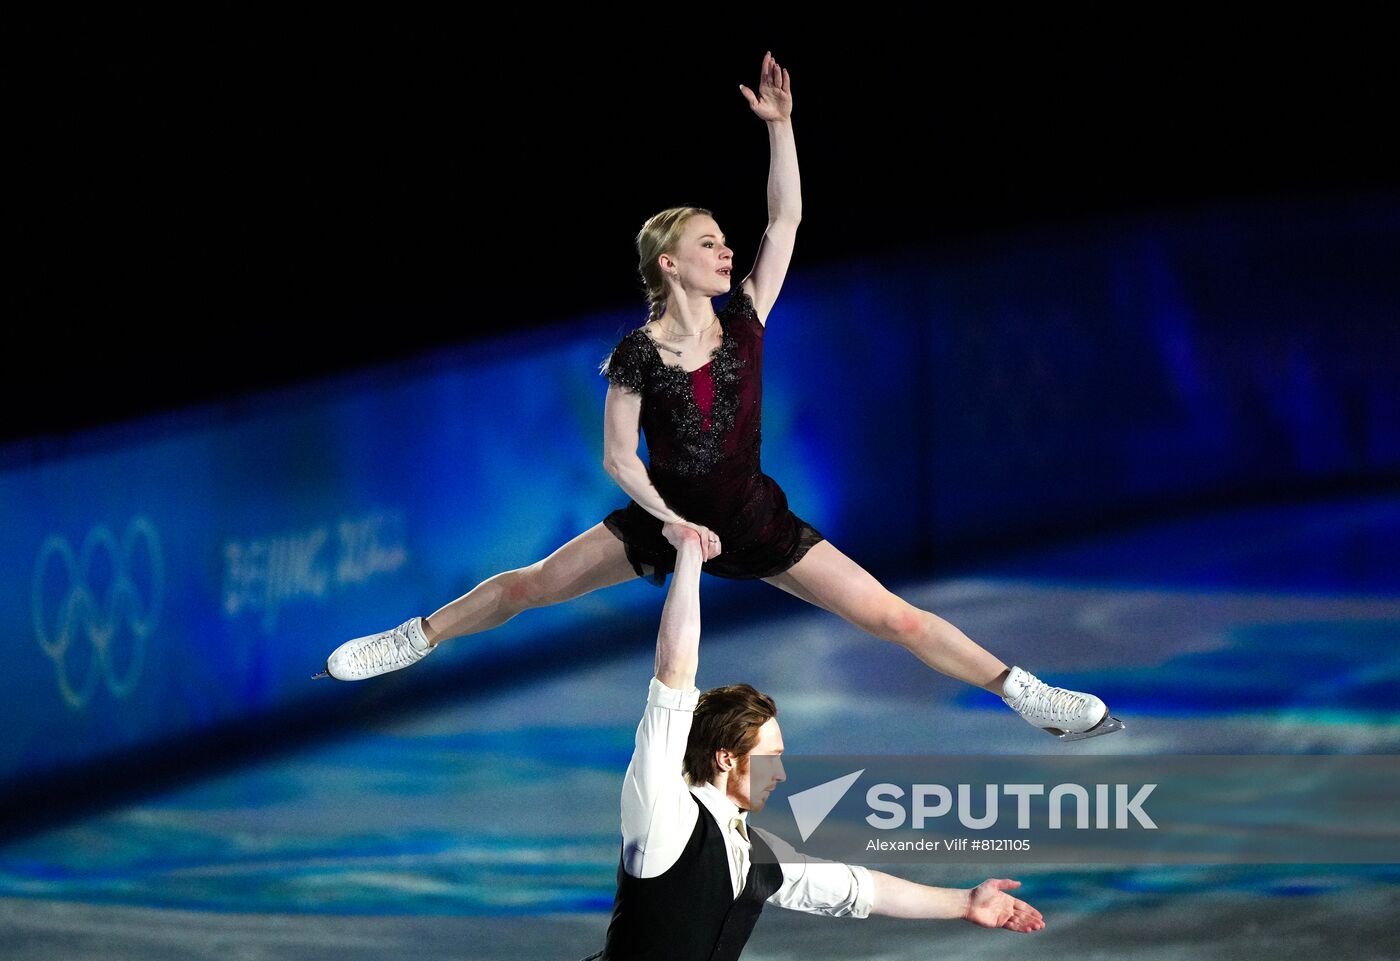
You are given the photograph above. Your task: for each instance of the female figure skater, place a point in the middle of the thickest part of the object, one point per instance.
(691, 379)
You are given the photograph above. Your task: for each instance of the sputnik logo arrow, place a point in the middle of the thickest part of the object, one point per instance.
(810, 807)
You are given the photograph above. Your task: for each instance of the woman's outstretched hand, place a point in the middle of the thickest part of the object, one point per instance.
(991, 907)
(774, 100)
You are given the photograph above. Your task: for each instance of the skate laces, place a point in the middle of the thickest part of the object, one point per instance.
(1042, 700)
(390, 649)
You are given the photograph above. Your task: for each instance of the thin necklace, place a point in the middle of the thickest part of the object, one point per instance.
(674, 334)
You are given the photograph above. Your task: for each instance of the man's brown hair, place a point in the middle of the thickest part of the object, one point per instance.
(725, 717)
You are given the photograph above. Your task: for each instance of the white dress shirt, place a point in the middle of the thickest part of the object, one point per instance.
(658, 817)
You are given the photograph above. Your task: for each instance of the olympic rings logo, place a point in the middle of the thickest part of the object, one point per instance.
(103, 621)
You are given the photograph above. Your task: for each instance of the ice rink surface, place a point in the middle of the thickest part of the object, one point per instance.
(487, 828)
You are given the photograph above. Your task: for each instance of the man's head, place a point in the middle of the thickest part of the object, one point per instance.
(733, 724)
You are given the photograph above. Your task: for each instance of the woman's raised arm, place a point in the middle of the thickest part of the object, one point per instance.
(773, 105)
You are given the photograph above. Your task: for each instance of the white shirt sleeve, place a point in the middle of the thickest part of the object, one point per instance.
(658, 811)
(820, 887)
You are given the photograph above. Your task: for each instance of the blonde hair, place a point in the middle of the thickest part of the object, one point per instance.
(659, 235)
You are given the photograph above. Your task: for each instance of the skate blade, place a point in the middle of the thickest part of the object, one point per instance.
(317, 677)
(1107, 726)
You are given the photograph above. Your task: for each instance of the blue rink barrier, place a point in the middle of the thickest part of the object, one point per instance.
(189, 572)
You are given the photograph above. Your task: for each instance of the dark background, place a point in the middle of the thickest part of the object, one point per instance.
(215, 203)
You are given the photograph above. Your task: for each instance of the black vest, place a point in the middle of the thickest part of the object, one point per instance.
(689, 913)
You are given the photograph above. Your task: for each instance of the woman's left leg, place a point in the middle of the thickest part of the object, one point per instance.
(832, 581)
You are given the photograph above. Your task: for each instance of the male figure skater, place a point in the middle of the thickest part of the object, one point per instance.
(689, 885)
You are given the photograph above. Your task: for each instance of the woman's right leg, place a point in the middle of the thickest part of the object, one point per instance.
(596, 558)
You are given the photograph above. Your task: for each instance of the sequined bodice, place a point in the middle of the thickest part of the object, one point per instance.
(703, 422)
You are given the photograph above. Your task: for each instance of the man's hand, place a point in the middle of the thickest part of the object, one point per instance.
(678, 535)
(990, 906)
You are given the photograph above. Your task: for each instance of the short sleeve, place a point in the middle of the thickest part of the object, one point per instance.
(820, 887)
(627, 365)
(739, 311)
(658, 810)
(673, 699)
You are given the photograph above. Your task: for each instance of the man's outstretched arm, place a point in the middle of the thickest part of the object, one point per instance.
(842, 890)
(987, 905)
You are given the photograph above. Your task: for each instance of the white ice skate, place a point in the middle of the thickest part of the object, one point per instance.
(1069, 715)
(378, 653)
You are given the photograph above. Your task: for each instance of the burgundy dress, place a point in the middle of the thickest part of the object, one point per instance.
(703, 430)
